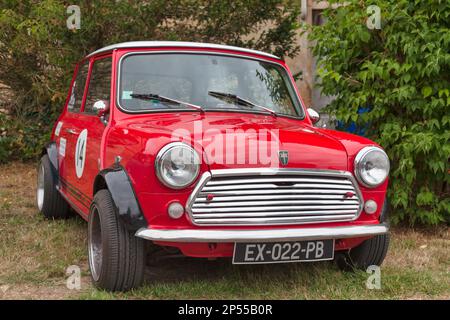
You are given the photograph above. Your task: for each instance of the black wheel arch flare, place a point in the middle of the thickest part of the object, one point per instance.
(52, 151)
(116, 180)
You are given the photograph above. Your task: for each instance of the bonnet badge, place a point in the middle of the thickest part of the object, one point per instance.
(283, 155)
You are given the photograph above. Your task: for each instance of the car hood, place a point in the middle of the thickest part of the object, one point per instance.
(240, 140)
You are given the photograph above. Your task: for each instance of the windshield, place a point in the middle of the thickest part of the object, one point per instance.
(191, 78)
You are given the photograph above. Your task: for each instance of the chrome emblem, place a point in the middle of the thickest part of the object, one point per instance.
(284, 157)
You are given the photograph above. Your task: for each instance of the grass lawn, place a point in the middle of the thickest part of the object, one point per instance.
(35, 253)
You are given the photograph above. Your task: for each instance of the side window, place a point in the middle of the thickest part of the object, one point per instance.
(76, 95)
(99, 84)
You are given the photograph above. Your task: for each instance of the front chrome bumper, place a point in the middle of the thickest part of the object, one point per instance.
(271, 235)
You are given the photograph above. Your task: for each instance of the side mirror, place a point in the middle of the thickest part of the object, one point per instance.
(101, 107)
(313, 115)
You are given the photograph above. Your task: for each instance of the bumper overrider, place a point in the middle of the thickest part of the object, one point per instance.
(266, 235)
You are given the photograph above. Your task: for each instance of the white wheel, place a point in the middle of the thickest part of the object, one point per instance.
(95, 244)
(40, 190)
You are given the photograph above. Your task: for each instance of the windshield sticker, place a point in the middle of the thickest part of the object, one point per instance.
(126, 95)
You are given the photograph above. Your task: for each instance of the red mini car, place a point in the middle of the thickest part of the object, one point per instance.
(209, 150)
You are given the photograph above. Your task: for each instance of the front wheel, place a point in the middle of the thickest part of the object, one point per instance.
(370, 252)
(116, 255)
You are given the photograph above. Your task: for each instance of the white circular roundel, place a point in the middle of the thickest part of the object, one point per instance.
(80, 153)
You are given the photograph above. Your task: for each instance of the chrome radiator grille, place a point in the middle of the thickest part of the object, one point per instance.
(274, 197)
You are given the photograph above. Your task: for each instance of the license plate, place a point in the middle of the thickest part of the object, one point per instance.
(281, 252)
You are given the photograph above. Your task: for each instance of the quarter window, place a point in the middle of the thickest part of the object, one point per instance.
(99, 84)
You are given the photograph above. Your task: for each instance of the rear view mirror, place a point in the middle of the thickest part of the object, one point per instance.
(313, 115)
(101, 107)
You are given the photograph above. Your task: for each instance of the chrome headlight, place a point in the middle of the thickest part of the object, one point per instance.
(177, 165)
(371, 166)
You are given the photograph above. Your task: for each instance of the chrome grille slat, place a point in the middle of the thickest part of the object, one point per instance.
(216, 204)
(274, 196)
(270, 208)
(274, 186)
(273, 220)
(202, 199)
(286, 191)
(271, 213)
(275, 180)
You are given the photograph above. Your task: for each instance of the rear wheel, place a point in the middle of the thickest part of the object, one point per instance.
(370, 252)
(116, 255)
(49, 201)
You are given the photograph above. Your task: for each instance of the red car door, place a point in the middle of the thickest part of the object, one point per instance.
(89, 128)
(66, 134)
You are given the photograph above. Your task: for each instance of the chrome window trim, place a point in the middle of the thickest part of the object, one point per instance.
(301, 112)
(207, 176)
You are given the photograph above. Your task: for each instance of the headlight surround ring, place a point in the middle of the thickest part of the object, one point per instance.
(377, 160)
(187, 159)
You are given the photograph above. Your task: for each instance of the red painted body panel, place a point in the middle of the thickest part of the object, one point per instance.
(137, 138)
(222, 250)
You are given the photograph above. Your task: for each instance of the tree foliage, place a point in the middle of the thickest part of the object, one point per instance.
(401, 72)
(38, 52)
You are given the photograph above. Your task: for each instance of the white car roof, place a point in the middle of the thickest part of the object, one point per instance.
(159, 44)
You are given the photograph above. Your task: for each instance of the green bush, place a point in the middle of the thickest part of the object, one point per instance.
(401, 72)
(22, 138)
(38, 52)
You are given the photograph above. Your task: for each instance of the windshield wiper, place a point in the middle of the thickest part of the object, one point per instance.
(241, 101)
(157, 97)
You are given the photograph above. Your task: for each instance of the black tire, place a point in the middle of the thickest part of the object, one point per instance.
(120, 265)
(49, 201)
(370, 252)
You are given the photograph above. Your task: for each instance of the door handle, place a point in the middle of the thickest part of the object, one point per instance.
(71, 131)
